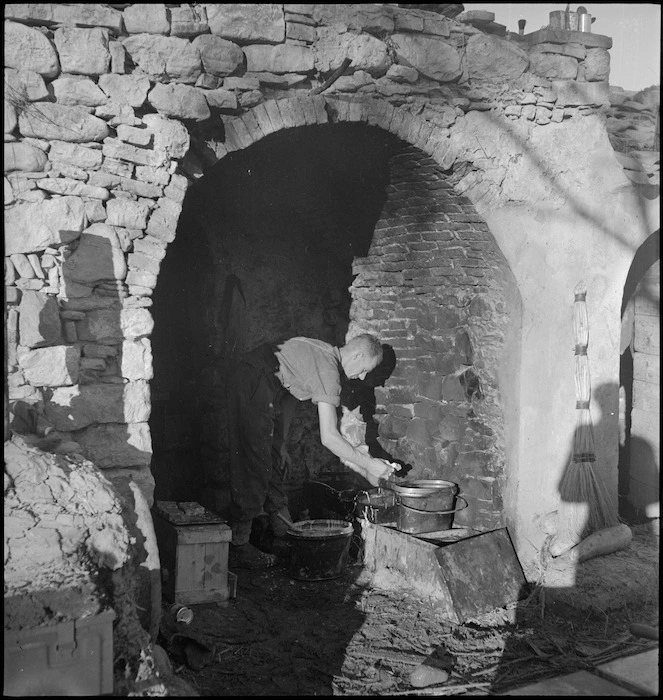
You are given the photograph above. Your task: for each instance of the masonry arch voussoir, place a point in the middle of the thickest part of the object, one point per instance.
(272, 116)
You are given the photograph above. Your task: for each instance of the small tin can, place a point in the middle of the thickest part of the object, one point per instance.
(181, 613)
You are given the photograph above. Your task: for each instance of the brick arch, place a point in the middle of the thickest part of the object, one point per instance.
(436, 287)
(272, 116)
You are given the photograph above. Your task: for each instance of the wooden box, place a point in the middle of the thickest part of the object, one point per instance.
(67, 658)
(193, 548)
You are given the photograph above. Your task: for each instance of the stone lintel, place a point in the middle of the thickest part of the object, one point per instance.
(562, 36)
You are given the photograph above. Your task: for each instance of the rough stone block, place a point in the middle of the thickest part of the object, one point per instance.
(430, 56)
(117, 151)
(221, 99)
(83, 51)
(127, 214)
(75, 407)
(28, 49)
(283, 58)
(553, 66)
(116, 444)
(160, 55)
(163, 221)
(141, 278)
(118, 57)
(27, 84)
(561, 36)
(23, 156)
(32, 227)
(572, 94)
(267, 23)
(21, 264)
(44, 120)
(180, 101)
(137, 137)
(292, 113)
(171, 138)
(39, 320)
(597, 65)
(220, 57)
(99, 256)
(125, 89)
(149, 245)
(146, 18)
(52, 366)
(70, 186)
(73, 91)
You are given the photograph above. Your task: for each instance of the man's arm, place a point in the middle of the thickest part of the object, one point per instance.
(371, 468)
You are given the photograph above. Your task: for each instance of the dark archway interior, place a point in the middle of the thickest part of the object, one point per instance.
(264, 251)
(645, 258)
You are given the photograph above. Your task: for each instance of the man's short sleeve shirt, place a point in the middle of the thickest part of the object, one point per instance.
(310, 369)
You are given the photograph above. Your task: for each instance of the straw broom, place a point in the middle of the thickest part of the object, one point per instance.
(585, 505)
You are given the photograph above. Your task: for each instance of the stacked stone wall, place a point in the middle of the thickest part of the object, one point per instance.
(112, 111)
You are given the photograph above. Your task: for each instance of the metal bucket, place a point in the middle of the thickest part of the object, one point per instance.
(427, 505)
(378, 506)
(319, 549)
(585, 22)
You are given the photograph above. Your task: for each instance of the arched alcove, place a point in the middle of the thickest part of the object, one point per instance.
(319, 230)
(639, 444)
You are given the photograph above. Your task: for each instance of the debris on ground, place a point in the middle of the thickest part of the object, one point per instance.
(342, 637)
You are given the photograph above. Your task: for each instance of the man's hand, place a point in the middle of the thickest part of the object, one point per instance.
(286, 461)
(379, 470)
(382, 469)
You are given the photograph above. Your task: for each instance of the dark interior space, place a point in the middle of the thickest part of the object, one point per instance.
(263, 252)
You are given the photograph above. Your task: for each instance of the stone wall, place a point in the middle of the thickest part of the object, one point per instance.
(112, 111)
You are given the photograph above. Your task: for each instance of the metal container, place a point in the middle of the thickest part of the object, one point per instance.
(319, 549)
(426, 505)
(181, 613)
(585, 22)
(561, 19)
(378, 506)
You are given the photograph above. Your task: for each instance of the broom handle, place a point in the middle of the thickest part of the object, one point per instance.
(583, 438)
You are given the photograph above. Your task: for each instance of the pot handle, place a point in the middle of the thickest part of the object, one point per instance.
(435, 512)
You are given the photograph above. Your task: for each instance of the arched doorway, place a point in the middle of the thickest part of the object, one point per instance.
(639, 447)
(307, 231)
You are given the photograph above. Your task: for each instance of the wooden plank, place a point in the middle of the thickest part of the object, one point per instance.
(166, 536)
(645, 425)
(397, 560)
(639, 672)
(646, 306)
(190, 569)
(647, 368)
(482, 573)
(202, 534)
(216, 566)
(646, 396)
(645, 458)
(646, 336)
(204, 596)
(574, 684)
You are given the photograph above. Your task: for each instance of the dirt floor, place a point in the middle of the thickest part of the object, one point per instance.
(280, 636)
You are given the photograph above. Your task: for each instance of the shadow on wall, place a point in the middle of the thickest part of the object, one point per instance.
(356, 393)
(585, 502)
(89, 355)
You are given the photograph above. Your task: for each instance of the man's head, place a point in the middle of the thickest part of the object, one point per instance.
(360, 355)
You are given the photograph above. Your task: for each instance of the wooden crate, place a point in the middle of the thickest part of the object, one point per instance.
(193, 548)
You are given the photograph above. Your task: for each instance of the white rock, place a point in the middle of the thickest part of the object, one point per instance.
(32, 227)
(83, 51)
(28, 49)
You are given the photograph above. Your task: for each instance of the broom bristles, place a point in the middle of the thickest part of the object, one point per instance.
(585, 506)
